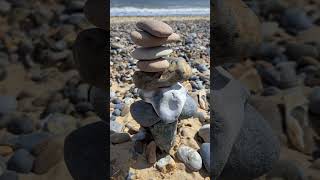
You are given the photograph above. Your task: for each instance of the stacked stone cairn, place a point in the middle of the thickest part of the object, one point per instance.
(164, 99)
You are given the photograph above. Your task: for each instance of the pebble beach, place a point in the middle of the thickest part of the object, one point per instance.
(129, 159)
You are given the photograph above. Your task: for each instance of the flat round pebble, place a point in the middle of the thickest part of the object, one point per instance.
(145, 39)
(157, 65)
(155, 28)
(151, 53)
(204, 133)
(205, 154)
(21, 161)
(190, 157)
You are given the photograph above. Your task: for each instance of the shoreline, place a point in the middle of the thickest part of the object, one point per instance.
(126, 19)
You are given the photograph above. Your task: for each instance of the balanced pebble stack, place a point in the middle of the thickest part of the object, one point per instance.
(164, 99)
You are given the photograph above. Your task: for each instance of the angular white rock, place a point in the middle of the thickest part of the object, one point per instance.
(167, 102)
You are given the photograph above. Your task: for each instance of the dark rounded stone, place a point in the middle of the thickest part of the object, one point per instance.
(98, 99)
(96, 12)
(205, 155)
(85, 152)
(295, 19)
(144, 113)
(21, 161)
(28, 141)
(314, 101)
(9, 175)
(287, 169)
(8, 104)
(21, 125)
(90, 56)
(256, 147)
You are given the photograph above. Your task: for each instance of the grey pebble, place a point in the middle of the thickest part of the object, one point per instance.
(189, 109)
(204, 133)
(118, 138)
(59, 123)
(8, 104)
(9, 175)
(115, 127)
(205, 154)
(314, 101)
(21, 161)
(190, 157)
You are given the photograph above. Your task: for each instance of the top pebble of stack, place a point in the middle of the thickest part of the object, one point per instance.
(156, 28)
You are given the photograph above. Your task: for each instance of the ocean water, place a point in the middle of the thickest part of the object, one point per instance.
(160, 7)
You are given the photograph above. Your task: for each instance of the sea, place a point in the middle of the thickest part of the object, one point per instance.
(160, 7)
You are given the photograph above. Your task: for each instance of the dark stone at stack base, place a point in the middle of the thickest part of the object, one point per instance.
(255, 150)
(85, 152)
(164, 134)
(90, 55)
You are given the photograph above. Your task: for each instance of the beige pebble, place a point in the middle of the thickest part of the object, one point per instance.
(156, 28)
(145, 39)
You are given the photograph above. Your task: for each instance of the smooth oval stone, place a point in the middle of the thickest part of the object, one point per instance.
(157, 65)
(296, 19)
(156, 28)
(165, 164)
(115, 127)
(167, 102)
(204, 133)
(21, 161)
(205, 154)
(237, 29)
(90, 55)
(296, 51)
(96, 12)
(3, 166)
(144, 113)
(9, 175)
(151, 53)
(117, 138)
(314, 101)
(47, 154)
(84, 152)
(98, 98)
(179, 70)
(8, 104)
(189, 109)
(190, 157)
(29, 141)
(59, 123)
(145, 39)
(20, 125)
